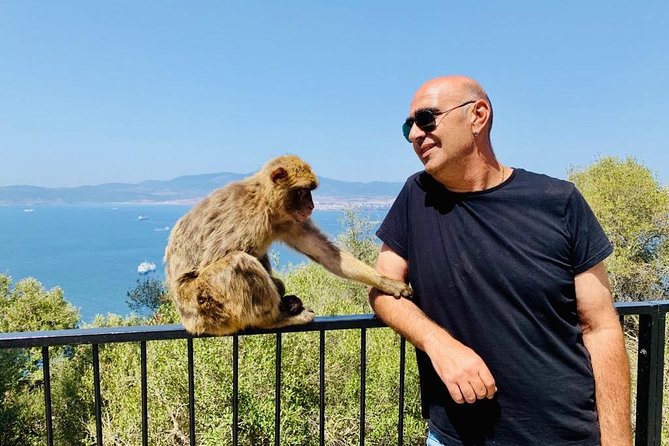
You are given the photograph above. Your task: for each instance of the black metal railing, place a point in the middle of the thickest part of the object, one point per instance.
(650, 367)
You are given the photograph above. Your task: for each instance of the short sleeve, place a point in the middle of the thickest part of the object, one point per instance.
(589, 243)
(394, 229)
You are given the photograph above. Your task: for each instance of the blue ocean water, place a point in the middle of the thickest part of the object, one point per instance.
(92, 251)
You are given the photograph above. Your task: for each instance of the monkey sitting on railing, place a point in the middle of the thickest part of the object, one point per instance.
(217, 268)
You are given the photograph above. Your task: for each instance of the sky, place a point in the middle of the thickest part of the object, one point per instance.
(126, 91)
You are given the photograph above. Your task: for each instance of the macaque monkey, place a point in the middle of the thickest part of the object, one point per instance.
(217, 268)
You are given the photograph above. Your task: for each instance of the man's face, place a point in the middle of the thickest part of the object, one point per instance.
(450, 140)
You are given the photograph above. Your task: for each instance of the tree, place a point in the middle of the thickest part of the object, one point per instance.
(146, 296)
(357, 237)
(27, 307)
(633, 208)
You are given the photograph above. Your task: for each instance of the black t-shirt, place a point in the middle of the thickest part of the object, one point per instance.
(496, 268)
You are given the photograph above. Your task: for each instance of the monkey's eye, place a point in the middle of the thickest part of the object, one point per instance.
(303, 191)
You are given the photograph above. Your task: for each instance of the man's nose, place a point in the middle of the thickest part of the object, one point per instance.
(416, 134)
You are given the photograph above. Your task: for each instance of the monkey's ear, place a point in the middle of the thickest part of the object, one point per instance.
(278, 174)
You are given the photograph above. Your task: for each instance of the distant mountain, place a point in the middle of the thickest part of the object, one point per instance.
(189, 189)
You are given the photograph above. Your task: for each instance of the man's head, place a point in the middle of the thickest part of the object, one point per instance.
(449, 122)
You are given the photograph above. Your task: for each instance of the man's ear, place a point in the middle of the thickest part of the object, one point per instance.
(278, 174)
(480, 116)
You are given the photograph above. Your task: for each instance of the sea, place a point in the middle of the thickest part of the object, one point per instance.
(92, 252)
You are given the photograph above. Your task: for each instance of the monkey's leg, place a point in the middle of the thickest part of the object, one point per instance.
(280, 287)
(292, 312)
(238, 286)
(265, 262)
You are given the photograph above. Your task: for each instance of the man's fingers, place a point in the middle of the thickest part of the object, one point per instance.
(483, 386)
(468, 392)
(455, 392)
(465, 375)
(479, 388)
(489, 383)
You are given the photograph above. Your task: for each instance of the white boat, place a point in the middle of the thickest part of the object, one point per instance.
(28, 210)
(142, 217)
(164, 228)
(146, 267)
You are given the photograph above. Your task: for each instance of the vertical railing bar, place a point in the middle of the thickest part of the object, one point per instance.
(400, 423)
(363, 378)
(145, 411)
(235, 390)
(47, 395)
(643, 380)
(191, 392)
(321, 408)
(98, 398)
(657, 366)
(277, 392)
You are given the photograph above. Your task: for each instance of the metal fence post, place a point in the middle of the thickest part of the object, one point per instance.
(650, 377)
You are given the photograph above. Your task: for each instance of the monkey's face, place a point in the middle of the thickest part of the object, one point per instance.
(300, 205)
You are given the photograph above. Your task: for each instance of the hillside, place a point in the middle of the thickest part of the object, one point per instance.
(189, 189)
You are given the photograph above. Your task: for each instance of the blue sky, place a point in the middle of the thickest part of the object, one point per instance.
(96, 92)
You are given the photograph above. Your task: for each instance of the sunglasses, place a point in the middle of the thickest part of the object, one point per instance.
(424, 120)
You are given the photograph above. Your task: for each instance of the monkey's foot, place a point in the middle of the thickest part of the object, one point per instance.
(406, 292)
(291, 304)
(307, 315)
(304, 317)
(397, 289)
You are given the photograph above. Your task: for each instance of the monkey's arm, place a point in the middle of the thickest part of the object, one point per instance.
(309, 240)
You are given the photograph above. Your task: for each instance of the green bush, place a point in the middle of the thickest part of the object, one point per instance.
(633, 208)
(27, 306)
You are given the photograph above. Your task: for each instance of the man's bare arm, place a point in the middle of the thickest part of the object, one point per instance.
(464, 373)
(603, 338)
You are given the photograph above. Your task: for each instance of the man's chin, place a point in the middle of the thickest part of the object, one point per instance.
(430, 168)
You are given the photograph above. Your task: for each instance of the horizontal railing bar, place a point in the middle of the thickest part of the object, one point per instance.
(645, 307)
(137, 333)
(162, 332)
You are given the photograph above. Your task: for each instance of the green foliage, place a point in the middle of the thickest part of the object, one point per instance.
(146, 296)
(27, 307)
(633, 208)
(357, 237)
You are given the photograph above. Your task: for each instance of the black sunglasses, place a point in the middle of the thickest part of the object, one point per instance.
(425, 121)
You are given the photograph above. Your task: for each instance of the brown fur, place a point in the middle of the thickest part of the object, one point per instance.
(217, 269)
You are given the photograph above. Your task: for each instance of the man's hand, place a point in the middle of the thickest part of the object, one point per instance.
(464, 373)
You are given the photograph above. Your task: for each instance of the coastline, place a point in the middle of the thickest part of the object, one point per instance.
(328, 203)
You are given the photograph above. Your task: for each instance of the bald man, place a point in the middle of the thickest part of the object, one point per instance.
(516, 336)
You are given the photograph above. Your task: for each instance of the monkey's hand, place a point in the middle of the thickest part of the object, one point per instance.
(396, 288)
